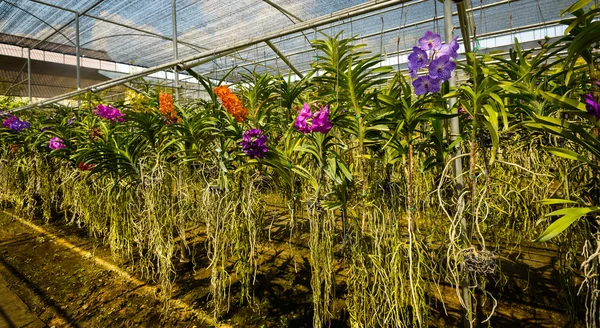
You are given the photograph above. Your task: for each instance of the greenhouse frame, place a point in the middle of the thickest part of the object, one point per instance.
(300, 163)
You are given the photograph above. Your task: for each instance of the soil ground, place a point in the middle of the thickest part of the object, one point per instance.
(67, 280)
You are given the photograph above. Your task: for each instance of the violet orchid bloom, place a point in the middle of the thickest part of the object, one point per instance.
(413, 73)
(301, 120)
(425, 84)
(19, 126)
(71, 120)
(430, 41)
(441, 68)
(417, 59)
(592, 107)
(15, 124)
(56, 143)
(254, 143)
(320, 122)
(448, 49)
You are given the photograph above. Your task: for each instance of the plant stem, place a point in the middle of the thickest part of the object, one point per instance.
(409, 175)
(363, 175)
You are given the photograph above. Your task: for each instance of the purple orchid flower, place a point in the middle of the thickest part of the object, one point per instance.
(413, 73)
(592, 107)
(430, 41)
(301, 120)
(425, 84)
(320, 121)
(15, 124)
(254, 143)
(71, 120)
(442, 68)
(56, 143)
(437, 57)
(417, 59)
(19, 126)
(449, 49)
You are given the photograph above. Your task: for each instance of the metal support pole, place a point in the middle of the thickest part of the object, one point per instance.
(78, 58)
(29, 74)
(77, 52)
(464, 26)
(284, 58)
(281, 9)
(175, 52)
(457, 163)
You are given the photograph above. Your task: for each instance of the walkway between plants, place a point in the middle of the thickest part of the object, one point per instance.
(67, 283)
(13, 312)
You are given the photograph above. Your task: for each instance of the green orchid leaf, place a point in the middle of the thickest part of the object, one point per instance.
(553, 201)
(565, 153)
(568, 217)
(564, 101)
(576, 6)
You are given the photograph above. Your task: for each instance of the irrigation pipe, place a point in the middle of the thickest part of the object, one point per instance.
(143, 286)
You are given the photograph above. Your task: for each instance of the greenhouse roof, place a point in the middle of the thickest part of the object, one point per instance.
(139, 32)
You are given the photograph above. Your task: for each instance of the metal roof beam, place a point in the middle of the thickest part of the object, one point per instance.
(164, 37)
(192, 61)
(393, 29)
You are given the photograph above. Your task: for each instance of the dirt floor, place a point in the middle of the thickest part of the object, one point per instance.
(68, 280)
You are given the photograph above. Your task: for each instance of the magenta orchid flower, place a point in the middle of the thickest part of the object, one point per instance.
(320, 121)
(301, 121)
(109, 113)
(56, 143)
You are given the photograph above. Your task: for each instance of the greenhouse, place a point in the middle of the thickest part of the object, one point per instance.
(307, 163)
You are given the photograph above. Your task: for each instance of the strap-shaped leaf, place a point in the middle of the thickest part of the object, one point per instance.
(566, 153)
(569, 215)
(495, 140)
(554, 201)
(564, 101)
(576, 6)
